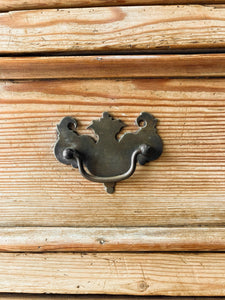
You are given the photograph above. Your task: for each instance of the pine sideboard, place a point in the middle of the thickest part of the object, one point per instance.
(162, 232)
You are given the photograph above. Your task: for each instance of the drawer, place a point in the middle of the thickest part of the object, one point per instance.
(185, 186)
(162, 231)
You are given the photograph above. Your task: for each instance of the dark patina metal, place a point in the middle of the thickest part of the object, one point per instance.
(108, 159)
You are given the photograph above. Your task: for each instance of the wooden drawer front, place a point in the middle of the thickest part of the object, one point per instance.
(185, 186)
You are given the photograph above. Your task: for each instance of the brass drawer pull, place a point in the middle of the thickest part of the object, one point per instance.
(108, 159)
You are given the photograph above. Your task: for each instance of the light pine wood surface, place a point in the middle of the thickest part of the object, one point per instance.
(45, 239)
(175, 274)
(49, 209)
(185, 186)
(38, 4)
(99, 297)
(111, 66)
(113, 29)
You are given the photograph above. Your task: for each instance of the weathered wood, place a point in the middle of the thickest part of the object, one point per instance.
(42, 239)
(99, 297)
(185, 186)
(107, 29)
(41, 4)
(107, 66)
(176, 274)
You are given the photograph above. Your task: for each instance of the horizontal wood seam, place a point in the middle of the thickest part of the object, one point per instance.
(12, 296)
(109, 66)
(122, 239)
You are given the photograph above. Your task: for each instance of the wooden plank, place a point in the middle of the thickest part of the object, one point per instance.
(185, 186)
(40, 4)
(99, 297)
(113, 29)
(42, 239)
(175, 274)
(107, 66)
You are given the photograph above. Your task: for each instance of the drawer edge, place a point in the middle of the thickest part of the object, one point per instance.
(113, 66)
(123, 239)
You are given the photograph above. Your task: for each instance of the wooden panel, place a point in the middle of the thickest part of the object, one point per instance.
(42, 239)
(99, 297)
(128, 274)
(36, 4)
(107, 66)
(186, 185)
(113, 29)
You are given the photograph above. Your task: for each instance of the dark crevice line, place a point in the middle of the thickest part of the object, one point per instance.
(117, 52)
(114, 3)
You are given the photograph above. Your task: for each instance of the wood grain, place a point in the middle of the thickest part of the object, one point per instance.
(175, 274)
(113, 29)
(98, 297)
(42, 239)
(185, 186)
(41, 4)
(106, 66)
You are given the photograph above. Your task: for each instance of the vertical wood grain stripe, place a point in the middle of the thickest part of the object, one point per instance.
(113, 29)
(106, 66)
(42, 239)
(176, 274)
